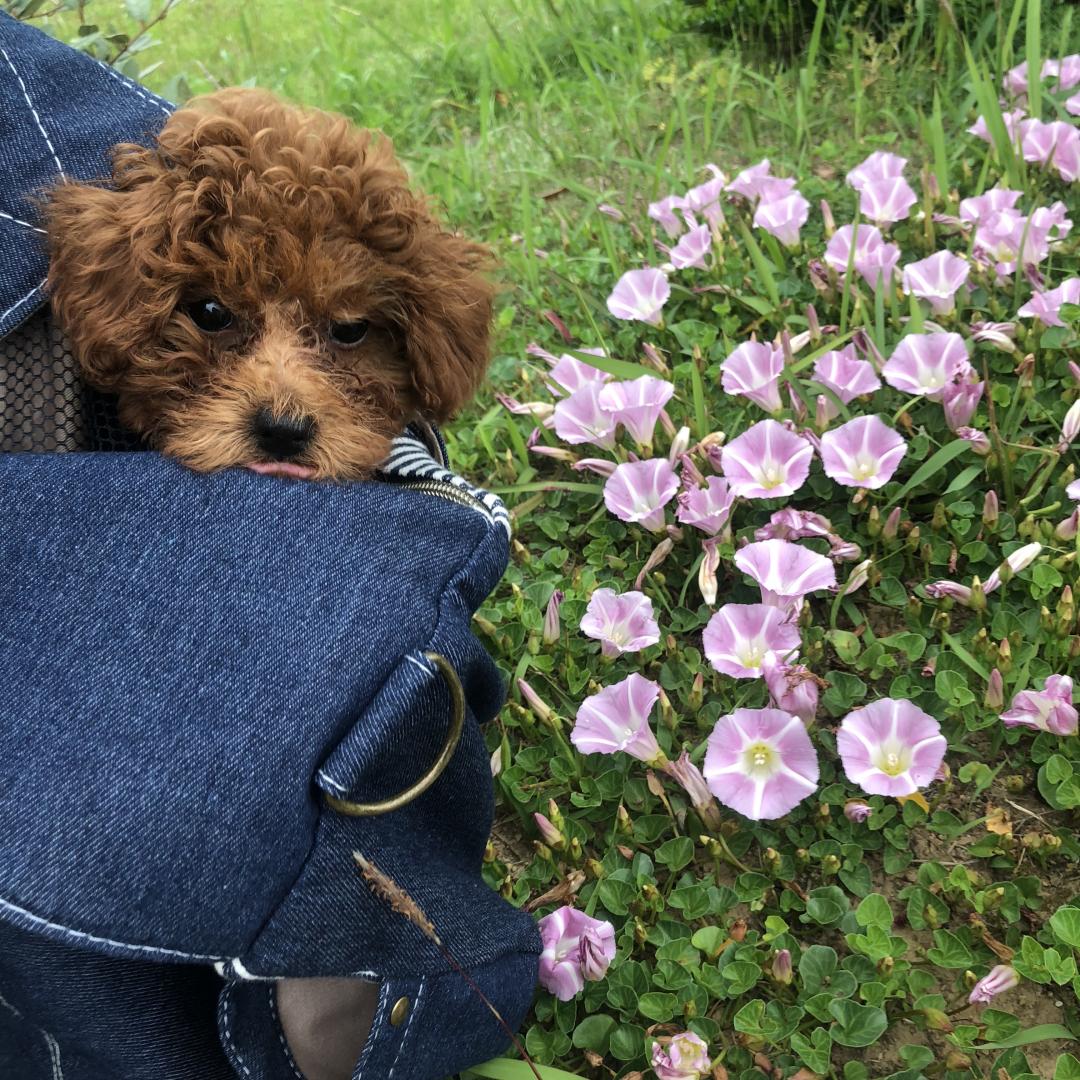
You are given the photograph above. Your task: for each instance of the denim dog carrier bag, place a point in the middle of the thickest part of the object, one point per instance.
(214, 690)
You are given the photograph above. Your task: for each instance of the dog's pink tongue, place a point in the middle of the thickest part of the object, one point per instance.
(282, 468)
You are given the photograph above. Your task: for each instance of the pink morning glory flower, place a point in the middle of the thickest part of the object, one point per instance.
(576, 947)
(981, 207)
(783, 218)
(707, 508)
(890, 747)
(980, 441)
(686, 1057)
(692, 248)
(878, 166)
(1073, 491)
(664, 213)
(617, 718)
(1046, 306)
(888, 200)
(792, 688)
(1049, 709)
(1012, 120)
(790, 524)
(1001, 978)
(741, 638)
(580, 418)
(874, 259)
(766, 461)
(757, 182)
(639, 490)
(863, 453)
(572, 374)
(761, 763)
(622, 623)
(753, 370)
(636, 404)
(1055, 143)
(1072, 105)
(640, 294)
(705, 198)
(937, 279)
(960, 399)
(925, 364)
(846, 376)
(785, 572)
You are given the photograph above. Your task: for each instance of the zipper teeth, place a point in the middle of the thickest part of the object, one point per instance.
(443, 490)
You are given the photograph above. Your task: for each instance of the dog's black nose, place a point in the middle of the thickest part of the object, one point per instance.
(282, 437)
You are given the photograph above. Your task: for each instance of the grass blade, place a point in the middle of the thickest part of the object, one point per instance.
(761, 264)
(949, 452)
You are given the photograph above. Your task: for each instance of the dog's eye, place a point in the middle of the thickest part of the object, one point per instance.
(348, 333)
(209, 315)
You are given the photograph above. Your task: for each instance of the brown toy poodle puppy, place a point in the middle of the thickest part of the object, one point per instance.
(263, 289)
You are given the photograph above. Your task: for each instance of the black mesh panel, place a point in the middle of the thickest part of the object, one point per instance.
(44, 405)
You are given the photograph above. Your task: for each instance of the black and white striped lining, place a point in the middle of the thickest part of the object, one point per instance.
(411, 459)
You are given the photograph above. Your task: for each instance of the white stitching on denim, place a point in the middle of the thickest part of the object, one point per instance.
(229, 1044)
(38, 921)
(50, 1042)
(4, 315)
(128, 84)
(408, 1027)
(281, 1034)
(422, 666)
(19, 221)
(37, 119)
(327, 779)
(373, 1034)
(54, 1056)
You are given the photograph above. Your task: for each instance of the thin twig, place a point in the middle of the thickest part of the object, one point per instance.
(389, 891)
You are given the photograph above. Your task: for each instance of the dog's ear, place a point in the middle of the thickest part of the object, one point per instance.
(449, 321)
(96, 287)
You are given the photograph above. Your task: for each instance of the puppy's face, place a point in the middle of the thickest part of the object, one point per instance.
(264, 290)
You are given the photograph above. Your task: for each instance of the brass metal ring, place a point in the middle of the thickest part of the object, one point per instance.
(453, 737)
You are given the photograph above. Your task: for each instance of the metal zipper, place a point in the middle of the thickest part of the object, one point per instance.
(440, 489)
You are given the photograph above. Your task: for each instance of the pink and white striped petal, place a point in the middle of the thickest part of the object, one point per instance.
(766, 461)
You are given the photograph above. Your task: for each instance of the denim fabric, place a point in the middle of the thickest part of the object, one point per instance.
(187, 663)
(172, 698)
(60, 112)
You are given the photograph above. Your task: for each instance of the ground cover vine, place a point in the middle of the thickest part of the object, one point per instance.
(793, 733)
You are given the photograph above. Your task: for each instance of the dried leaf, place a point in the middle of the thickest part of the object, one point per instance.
(998, 821)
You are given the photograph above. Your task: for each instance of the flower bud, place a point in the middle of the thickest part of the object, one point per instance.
(957, 1062)
(892, 524)
(1004, 660)
(697, 693)
(830, 864)
(857, 811)
(990, 509)
(995, 692)
(827, 217)
(781, 967)
(885, 966)
(737, 931)
(1015, 784)
(541, 710)
(1068, 528)
(1001, 978)
(710, 562)
(1051, 843)
(821, 412)
(1070, 427)
(548, 832)
(622, 821)
(813, 324)
(936, 1020)
(551, 618)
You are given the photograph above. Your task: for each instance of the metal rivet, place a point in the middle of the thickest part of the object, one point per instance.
(399, 1011)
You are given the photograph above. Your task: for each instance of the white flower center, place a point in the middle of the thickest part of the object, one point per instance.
(770, 475)
(892, 757)
(865, 467)
(760, 761)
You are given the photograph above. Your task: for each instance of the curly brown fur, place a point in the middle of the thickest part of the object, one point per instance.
(293, 220)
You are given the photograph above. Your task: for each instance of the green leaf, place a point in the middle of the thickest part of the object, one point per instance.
(855, 1024)
(874, 911)
(621, 369)
(815, 1051)
(950, 952)
(1039, 1033)
(816, 966)
(773, 1022)
(627, 1042)
(675, 853)
(508, 1069)
(741, 974)
(594, 1033)
(1065, 922)
(761, 263)
(1067, 1068)
(949, 452)
(658, 1006)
